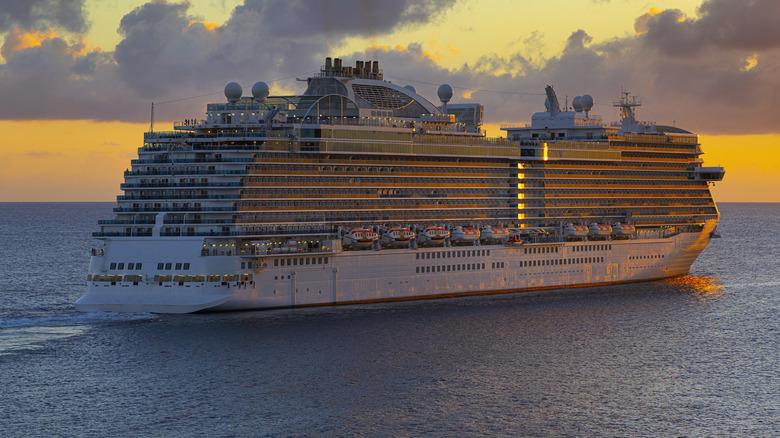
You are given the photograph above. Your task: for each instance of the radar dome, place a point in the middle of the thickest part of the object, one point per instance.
(576, 103)
(410, 88)
(233, 92)
(260, 91)
(444, 92)
(587, 102)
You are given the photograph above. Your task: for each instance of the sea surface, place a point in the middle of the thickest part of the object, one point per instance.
(693, 356)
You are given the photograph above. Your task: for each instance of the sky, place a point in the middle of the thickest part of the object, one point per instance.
(77, 77)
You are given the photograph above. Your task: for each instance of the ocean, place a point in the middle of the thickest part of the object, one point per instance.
(691, 356)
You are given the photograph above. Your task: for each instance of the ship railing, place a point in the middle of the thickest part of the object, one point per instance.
(186, 184)
(124, 222)
(169, 209)
(122, 234)
(192, 160)
(252, 252)
(163, 134)
(197, 221)
(142, 198)
(184, 172)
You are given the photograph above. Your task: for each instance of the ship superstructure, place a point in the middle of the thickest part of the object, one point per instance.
(362, 190)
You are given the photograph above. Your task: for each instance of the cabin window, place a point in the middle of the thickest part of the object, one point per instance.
(138, 266)
(168, 266)
(178, 266)
(113, 266)
(159, 266)
(130, 266)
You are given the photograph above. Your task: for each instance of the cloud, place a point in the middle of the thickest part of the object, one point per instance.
(718, 72)
(67, 14)
(693, 72)
(167, 53)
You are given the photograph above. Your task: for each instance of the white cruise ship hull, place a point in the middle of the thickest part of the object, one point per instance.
(289, 280)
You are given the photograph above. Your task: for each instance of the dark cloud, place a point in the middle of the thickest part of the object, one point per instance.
(163, 47)
(722, 24)
(690, 72)
(67, 14)
(717, 73)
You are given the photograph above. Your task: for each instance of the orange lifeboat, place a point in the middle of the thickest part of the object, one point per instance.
(397, 237)
(572, 230)
(465, 235)
(494, 234)
(433, 236)
(619, 229)
(599, 229)
(359, 238)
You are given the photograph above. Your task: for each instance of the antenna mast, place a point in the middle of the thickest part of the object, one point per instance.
(151, 127)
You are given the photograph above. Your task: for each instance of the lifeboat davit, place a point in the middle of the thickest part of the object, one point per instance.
(623, 229)
(572, 230)
(493, 234)
(359, 238)
(599, 229)
(397, 237)
(433, 236)
(465, 235)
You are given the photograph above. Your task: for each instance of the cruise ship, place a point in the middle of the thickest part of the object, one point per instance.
(361, 190)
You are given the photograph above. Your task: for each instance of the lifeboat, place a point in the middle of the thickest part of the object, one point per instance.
(619, 229)
(599, 229)
(465, 235)
(359, 238)
(493, 234)
(397, 237)
(515, 237)
(433, 236)
(572, 230)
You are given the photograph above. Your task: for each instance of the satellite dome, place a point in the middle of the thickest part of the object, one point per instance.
(587, 102)
(233, 92)
(444, 92)
(410, 88)
(576, 103)
(260, 91)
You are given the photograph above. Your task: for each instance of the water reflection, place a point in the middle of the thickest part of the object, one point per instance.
(34, 338)
(704, 287)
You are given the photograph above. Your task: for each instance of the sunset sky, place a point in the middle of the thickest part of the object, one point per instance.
(77, 77)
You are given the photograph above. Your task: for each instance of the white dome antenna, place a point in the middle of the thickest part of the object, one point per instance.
(587, 103)
(233, 92)
(576, 103)
(445, 94)
(260, 91)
